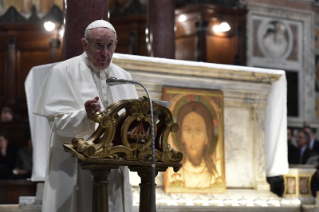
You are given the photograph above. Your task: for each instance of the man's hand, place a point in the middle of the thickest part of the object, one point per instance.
(92, 106)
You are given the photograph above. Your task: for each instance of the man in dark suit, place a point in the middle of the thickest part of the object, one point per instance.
(314, 143)
(303, 139)
(293, 151)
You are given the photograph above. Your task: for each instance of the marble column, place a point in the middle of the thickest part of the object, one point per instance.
(78, 15)
(160, 28)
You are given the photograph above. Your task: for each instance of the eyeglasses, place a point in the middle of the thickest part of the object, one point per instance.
(100, 47)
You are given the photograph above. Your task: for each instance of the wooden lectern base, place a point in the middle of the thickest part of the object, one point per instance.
(101, 168)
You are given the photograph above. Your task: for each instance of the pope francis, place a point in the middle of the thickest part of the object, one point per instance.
(72, 92)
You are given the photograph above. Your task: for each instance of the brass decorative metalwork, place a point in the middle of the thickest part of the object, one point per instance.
(128, 135)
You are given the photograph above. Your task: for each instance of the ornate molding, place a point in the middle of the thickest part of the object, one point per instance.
(128, 135)
(12, 16)
(55, 14)
(304, 20)
(195, 69)
(34, 17)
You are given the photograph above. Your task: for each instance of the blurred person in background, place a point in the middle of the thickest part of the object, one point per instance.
(7, 115)
(23, 167)
(303, 139)
(314, 143)
(7, 158)
(292, 150)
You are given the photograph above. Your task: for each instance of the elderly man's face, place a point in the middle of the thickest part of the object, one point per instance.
(100, 59)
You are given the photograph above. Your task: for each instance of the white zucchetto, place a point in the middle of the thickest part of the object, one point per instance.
(101, 24)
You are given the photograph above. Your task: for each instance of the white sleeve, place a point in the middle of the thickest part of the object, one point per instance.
(72, 124)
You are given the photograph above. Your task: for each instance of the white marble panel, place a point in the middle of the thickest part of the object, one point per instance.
(238, 147)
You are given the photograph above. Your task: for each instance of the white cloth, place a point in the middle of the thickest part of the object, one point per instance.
(99, 77)
(276, 151)
(39, 126)
(65, 90)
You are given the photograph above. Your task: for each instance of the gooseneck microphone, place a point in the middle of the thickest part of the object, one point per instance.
(114, 81)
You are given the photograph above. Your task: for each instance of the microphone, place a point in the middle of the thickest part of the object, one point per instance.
(114, 81)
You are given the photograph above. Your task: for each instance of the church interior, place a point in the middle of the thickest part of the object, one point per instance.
(250, 68)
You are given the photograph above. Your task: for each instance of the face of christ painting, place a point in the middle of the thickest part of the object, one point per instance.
(200, 137)
(195, 139)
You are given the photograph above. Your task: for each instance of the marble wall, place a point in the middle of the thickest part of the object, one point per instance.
(245, 96)
(280, 34)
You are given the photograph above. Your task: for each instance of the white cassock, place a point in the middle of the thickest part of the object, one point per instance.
(67, 87)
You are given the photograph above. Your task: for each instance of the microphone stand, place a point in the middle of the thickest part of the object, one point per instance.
(114, 81)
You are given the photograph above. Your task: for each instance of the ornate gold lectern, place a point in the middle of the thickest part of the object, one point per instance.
(124, 140)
